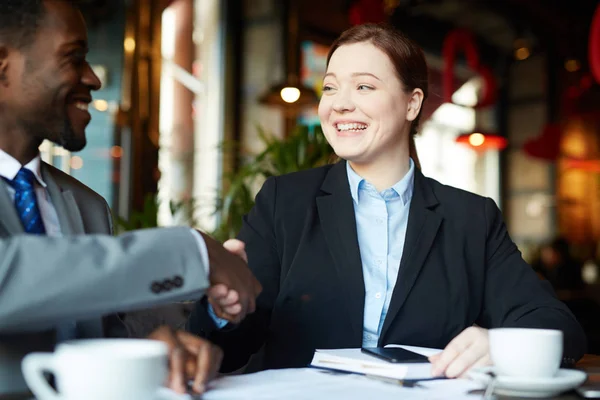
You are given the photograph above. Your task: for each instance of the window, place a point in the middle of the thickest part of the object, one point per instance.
(452, 163)
(191, 111)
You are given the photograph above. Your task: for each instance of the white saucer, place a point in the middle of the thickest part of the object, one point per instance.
(167, 394)
(564, 380)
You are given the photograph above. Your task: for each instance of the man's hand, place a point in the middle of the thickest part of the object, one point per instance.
(234, 288)
(190, 358)
(467, 350)
(225, 301)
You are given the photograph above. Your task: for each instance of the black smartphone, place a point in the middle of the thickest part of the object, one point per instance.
(395, 354)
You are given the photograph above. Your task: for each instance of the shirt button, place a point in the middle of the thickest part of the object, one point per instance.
(379, 220)
(378, 295)
(379, 262)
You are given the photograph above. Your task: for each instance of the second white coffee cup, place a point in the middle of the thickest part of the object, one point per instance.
(527, 353)
(99, 369)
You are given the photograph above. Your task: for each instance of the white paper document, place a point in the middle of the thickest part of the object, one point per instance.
(310, 383)
(354, 360)
(425, 351)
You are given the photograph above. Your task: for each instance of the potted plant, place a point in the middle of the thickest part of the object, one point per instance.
(303, 149)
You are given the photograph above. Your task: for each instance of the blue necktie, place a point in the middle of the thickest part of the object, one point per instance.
(31, 218)
(26, 202)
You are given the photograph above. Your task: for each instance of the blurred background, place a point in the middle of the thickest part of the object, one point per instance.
(203, 99)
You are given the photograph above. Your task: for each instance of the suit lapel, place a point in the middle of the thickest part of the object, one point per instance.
(423, 225)
(71, 223)
(9, 219)
(336, 213)
(65, 205)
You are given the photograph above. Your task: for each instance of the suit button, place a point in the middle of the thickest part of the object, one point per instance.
(178, 281)
(156, 288)
(167, 284)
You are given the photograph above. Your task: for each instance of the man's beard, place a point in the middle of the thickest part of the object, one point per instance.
(68, 139)
(58, 130)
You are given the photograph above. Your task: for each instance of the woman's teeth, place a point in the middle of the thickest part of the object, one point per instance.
(351, 127)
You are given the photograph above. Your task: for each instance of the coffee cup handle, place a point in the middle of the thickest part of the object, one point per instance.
(33, 367)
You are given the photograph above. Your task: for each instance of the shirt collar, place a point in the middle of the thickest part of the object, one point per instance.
(404, 187)
(9, 167)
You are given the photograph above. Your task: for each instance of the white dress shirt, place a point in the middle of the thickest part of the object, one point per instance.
(9, 167)
(381, 223)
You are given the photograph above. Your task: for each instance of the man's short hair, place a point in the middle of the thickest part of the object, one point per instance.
(21, 19)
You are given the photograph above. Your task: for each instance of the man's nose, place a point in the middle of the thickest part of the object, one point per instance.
(90, 79)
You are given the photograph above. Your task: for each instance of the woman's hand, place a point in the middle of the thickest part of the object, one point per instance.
(467, 350)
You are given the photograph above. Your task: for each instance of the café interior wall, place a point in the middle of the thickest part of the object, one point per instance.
(263, 65)
(529, 183)
(106, 44)
(578, 190)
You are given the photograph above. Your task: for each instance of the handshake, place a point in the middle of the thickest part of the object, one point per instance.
(232, 294)
(234, 288)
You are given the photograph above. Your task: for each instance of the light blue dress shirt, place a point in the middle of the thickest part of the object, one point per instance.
(381, 222)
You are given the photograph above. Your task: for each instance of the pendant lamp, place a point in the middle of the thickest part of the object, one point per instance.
(480, 141)
(290, 93)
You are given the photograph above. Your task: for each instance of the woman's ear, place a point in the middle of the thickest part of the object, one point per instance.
(415, 101)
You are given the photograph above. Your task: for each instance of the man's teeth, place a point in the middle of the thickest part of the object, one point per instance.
(82, 106)
(351, 127)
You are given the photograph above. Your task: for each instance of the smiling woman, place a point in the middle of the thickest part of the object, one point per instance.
(369, 251)
(368, 108)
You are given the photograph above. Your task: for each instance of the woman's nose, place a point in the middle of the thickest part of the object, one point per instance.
(343, 103)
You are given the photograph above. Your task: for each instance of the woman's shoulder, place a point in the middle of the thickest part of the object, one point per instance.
(446, 193)
(303, 180)
(296, 189)
(460, 204)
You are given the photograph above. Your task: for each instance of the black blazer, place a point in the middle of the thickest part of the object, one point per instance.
(459, 268)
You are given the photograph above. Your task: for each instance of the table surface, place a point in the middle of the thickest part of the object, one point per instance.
(589, 363)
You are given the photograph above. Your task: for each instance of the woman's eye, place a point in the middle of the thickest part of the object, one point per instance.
(364, 87)
(327, 88)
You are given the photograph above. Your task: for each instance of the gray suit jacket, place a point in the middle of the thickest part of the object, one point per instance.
(85, 275)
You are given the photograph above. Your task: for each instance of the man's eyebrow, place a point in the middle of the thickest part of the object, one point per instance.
(78, 43)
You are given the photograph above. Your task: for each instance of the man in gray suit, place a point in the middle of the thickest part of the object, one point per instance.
(60, 270)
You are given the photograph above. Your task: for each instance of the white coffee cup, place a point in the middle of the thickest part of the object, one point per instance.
(99, 369)
(527, 353)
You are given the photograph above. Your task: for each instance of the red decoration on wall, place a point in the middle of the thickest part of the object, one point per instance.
(594, 45)
(363, 11)
(462, 40)
(547, 145)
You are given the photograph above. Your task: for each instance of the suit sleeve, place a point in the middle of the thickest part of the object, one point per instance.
(258, 233)
(516, 297)
(45, 280)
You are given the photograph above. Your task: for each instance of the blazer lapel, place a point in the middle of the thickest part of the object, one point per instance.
(423, 225)
(9, 219)
(336, 213)
(65, 205)
(71, 223)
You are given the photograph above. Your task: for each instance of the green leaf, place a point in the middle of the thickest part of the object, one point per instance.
(303, 149)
